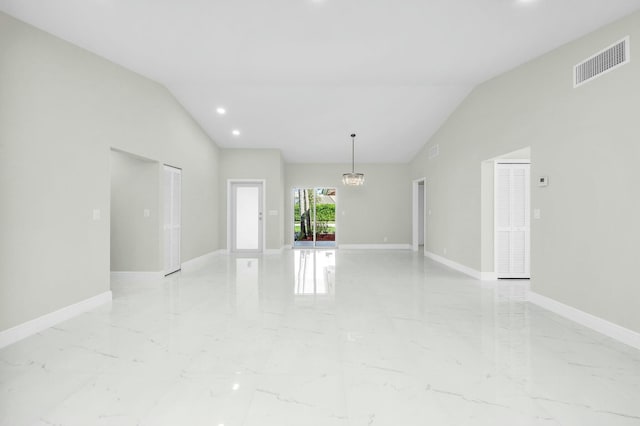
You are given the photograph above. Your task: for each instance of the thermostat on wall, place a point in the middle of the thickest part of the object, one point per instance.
(543, 180)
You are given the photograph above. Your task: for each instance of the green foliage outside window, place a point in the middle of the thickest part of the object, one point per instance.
(324, 212)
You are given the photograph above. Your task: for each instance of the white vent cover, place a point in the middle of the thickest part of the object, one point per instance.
(434, 151)
(606, 60)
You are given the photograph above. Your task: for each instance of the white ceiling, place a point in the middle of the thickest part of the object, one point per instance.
(301, 75)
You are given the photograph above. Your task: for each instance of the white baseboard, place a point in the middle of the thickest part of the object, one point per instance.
(482, 276)
(375, 246)
(265, 251)
(598, 324)
(137, 275)
(454, 265)
(200, 261)
(275, 251)
(29, 328)
(488, 276)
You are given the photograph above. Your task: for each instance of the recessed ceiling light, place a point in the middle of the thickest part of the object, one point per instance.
(235, 132)
(221, 111)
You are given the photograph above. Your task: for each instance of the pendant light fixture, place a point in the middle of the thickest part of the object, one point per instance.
(353, 178)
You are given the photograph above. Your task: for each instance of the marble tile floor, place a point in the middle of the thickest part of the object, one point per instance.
(319, 338)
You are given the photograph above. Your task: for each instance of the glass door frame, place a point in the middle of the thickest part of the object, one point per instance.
(314, 242)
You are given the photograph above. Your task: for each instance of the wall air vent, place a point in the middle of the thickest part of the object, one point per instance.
(434, 151)
(602, 62)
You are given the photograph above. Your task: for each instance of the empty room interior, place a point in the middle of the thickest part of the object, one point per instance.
(319, 212)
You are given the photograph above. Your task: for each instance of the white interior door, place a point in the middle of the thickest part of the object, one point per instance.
(172, 220)
(419, 207)
(421, 213)
(246, 215)
(512, 221)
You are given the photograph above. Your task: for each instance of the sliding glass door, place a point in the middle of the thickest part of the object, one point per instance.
(314, 217)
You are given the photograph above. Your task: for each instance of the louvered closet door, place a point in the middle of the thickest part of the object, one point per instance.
(172, 219)
(512, 227)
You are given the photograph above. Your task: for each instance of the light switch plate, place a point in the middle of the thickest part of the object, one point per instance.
(536, 213)
(96, 214)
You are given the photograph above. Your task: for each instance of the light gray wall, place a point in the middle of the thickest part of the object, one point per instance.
(365, 215)
(587, 140)
(61, 110)
(264, 164)
(135, 238)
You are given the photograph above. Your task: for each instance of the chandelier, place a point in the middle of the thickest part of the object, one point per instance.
(353, 178)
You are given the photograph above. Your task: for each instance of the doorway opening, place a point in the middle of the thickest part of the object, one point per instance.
(244, 216)
(135, 216)
(314, 217)
(505, 216)
(419, 214)
(172, 177)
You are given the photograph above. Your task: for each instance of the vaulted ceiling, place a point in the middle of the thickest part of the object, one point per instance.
(301, 75)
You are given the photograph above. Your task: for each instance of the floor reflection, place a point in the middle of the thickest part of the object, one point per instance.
(405, 341)
(506, 337)
(314, 272)
(247, 277)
